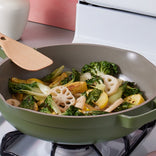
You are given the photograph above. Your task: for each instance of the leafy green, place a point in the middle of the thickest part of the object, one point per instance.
(93, 96)
(45, 110)
(118, 93)
(29, 103)
(130, 89)
(100, 68)
(126, 89)
(73, 111)
(123, 106)
(53, 74)
(74, 76)
(50, 105)
(96, 82)
(30, 89)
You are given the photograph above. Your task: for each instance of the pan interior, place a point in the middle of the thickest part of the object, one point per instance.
(133, 66)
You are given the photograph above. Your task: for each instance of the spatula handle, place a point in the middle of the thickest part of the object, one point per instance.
(3, 44)
(2, 37)
(22, 55)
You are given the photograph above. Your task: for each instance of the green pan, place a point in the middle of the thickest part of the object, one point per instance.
(86, 129)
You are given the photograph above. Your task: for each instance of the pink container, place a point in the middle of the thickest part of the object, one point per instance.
(59, 13)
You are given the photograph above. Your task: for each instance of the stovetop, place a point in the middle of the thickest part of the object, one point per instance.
(143, 7)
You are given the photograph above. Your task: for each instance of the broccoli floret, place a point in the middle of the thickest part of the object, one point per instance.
(50, 77)
(100, 68)
(50, 105)
(130, 89)
(73, 111)
(95, 82)
(73, 77)
(93, 96)
(29, 103)
(123, 106)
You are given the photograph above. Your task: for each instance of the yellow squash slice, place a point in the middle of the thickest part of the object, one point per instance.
(135, 99)
(77, 87)
(102, 101)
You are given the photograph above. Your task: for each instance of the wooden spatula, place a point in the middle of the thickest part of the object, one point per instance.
(22, 55)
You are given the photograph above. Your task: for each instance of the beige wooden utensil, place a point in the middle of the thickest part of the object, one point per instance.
(22, 55)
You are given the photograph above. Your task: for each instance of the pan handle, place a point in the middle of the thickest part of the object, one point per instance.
(137, 121)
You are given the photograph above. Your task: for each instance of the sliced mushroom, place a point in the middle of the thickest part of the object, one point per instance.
(13, 102)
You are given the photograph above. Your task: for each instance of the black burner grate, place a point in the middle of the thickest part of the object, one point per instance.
(10, 139)
(130, 147)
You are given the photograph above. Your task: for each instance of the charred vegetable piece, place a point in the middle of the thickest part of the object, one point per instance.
(28, 81)
(57, 80)
(101, 68)
(135, 99)
(73, 77)
(29, 103)
(17, 80)
(50, 77)
(77, 87)
(18, 96)
(31, 80)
